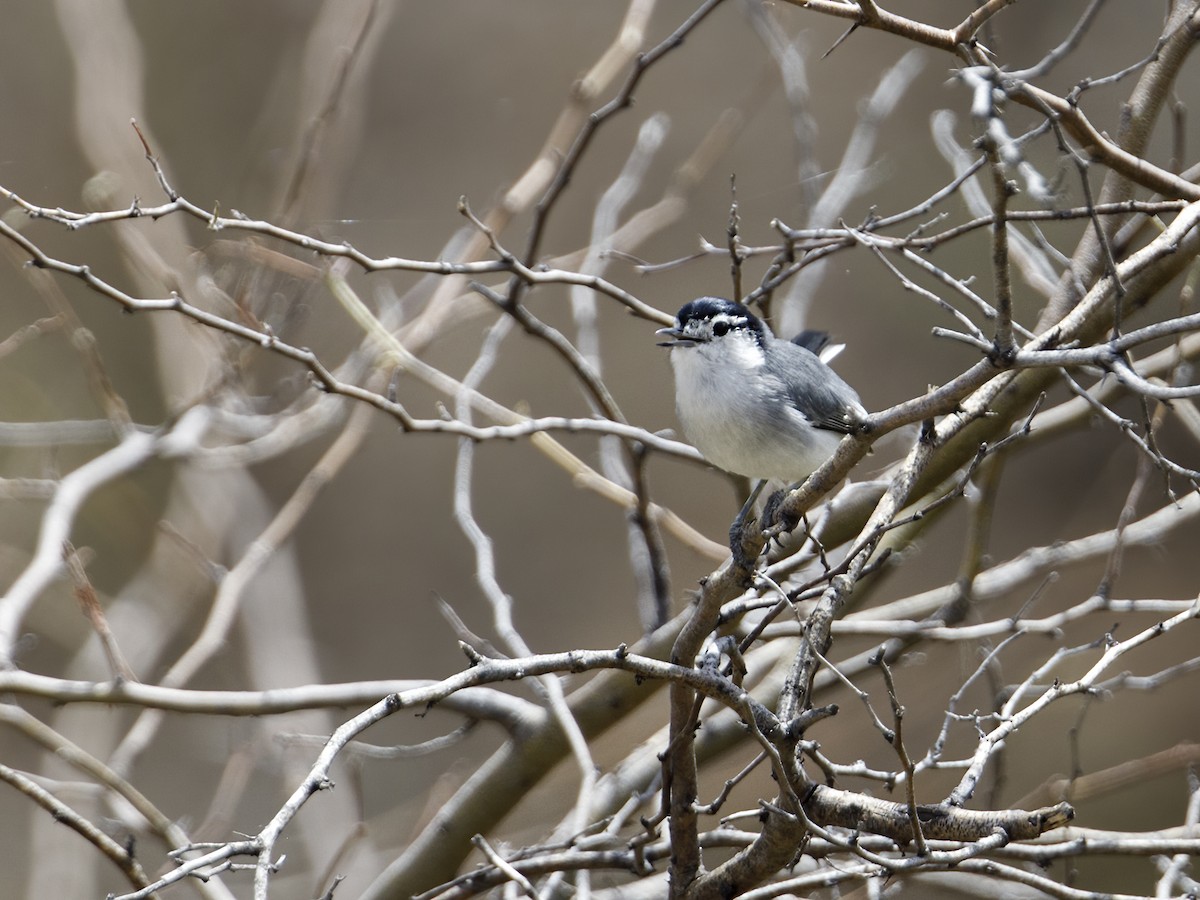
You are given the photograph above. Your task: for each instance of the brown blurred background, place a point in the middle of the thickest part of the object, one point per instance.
(449, 100)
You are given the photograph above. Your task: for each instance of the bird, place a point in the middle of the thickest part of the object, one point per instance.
(754, 404)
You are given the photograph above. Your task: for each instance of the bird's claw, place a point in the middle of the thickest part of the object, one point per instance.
(743, 542)
(778, 521)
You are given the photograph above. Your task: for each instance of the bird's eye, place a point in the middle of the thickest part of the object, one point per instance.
(720, 328)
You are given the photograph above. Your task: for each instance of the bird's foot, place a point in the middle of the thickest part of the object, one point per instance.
(777, 520)
(744, 542)
(743, 533)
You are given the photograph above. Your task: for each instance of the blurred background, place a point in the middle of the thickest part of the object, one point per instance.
(403, 109)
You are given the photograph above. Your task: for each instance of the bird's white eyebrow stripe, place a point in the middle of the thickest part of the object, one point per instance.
(732, 320)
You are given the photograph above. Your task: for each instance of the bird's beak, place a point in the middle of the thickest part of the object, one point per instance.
(681, 340)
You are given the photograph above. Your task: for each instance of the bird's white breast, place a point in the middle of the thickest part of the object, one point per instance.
(737, 414)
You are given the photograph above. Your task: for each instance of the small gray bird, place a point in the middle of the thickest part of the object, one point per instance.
(754, 404)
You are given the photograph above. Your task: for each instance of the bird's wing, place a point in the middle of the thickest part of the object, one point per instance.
(823, 401)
